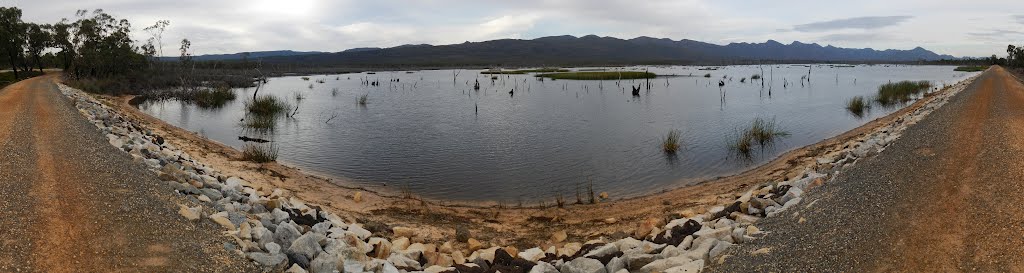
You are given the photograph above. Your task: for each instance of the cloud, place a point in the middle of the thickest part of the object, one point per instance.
(1019, 18)
(853, 37)
(866, 23)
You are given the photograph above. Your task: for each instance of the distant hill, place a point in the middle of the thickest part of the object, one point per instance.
(250, 55)
(594, 50)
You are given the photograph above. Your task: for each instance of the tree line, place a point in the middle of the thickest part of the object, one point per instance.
(95, 44)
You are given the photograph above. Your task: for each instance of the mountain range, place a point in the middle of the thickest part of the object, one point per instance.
(591, 50)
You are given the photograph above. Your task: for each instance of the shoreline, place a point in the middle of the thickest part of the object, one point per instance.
(338, 194)
(414, 234)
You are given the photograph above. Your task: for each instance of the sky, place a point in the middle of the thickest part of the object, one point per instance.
(959, 28)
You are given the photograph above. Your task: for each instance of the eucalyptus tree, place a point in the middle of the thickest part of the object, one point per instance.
(12, 36)
(39, 38)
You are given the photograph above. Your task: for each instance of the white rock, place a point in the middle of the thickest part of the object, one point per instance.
(583, 265)
(359, 231)
(543, 267)
(601, 251)
(308, 244)
(615, 264)
(663, 264)
(718, 249)
(691, 267)
(533, 254)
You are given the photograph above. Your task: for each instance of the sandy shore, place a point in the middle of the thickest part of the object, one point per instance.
(498, 225)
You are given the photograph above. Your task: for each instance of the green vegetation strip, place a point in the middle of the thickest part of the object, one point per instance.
(598, 75)
(524, 71)
(899, 92)
(970, 68)
(7, 78)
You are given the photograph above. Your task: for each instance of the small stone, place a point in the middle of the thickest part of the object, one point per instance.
(474, 245)
(192, 214)
(543, 267)
(533, 254)
(802, 220)
(691, 267)
(461, 233)
(610, 220)
(761, 251)
(404, 232)
(273, 248)
(307, 245)
(603, 195)
(295, 269)
(615, 264)
(559, 236)
(267, 260)
(358, 197)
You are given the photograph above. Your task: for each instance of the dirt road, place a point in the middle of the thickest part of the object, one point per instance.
(943, 198)
(70, 202)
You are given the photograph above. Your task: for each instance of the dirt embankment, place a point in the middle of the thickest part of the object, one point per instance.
(521, 227)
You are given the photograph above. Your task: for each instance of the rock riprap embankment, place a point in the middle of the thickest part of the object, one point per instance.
(283, 233)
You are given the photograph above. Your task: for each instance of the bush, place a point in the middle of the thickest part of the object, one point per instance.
(213, 97)
(857, 105)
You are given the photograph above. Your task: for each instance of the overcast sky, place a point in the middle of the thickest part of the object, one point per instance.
(960, 28)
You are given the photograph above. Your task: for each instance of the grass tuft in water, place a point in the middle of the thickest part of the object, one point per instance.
(857, 105)
(266, 105)
(524, 71)
(213, 97)
(762, 133)
(260, 153)
(970, 68)
(671, 142)
(363, 99)
(900, 92)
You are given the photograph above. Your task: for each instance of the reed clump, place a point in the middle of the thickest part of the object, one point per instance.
(213, 97)
(671, 142)
(900, 92)
(363, 100)
(762, 133)
(260, 153)
(266, 105)
(857, 105)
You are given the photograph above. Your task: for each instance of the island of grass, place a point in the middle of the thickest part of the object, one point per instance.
(524, 71)
(976, 68)
(603, 75)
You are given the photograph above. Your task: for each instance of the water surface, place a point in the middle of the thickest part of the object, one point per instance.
(430, 133)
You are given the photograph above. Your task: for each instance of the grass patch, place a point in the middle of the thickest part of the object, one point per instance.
(213, 97)
(260, 153)
(671, 142)
(598, 75)
(976, 68)
(266, 105)
(362, 100)
(900, 92)
(857, 105)
(761, 133)
(524, 71)
(7, 78)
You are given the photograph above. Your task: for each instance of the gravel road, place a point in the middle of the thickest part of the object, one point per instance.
(71, 202)
(943, 198)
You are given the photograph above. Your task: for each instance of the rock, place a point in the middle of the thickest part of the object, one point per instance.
(718, 233)
(533, 254)
(404, 232)
(285, 234)
(461, 233)
(322, 227)
(752, 230)
(307, 245)
(389, 268)
(663, 264)
(299, 259)
(583, 265)
(761, 251)
(691, 267)
(192, 214)
(701, 247)
(543, 267)
(295, 269)
(602, 251)
(245, 231)
(266, 259)
(474, 245)
(743, 218)
(719, 248)
(204, 198)
(559, 236)
(646, 227)
(222, 220)
(359, 231)
(273, 248)
(615, 264)
(324, 263)
(381, 248)
(400, 244)
(212, 194)
(358, 197)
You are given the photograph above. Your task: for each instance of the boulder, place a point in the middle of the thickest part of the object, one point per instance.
(267, 259)
(691, 267)
(583, 265)
(307, 245)
(324, 263)
(543, 267)
(559, 236)
(663, 264)
(615, 264)
(285, 234)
